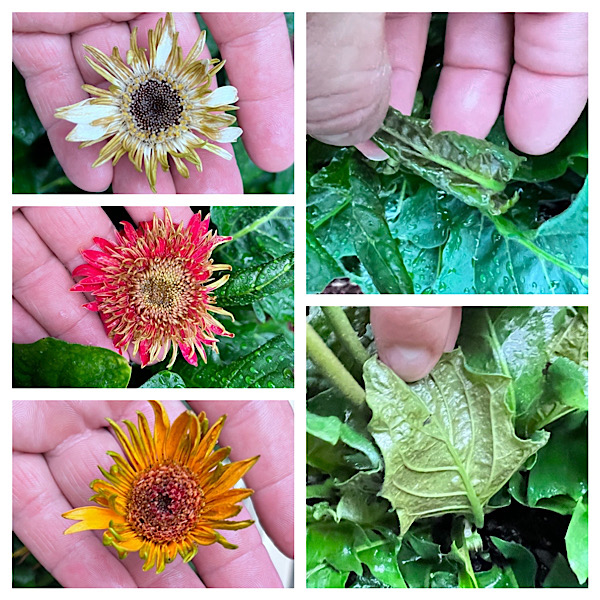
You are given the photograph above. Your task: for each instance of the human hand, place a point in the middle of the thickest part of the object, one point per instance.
(56, 449)
(46, 248)
(359, 63)
(411, 340)
(48, 51)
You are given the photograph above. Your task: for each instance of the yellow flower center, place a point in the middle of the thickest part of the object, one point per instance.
(155, 106)
(165, 503)
(163, 290)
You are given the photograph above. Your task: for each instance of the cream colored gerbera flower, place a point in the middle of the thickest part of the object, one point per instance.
(154, 105)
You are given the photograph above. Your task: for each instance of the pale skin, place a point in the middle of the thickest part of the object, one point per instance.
(56, 449)
(411, 339)
(46, 248)
(358, 64)
(47, 50)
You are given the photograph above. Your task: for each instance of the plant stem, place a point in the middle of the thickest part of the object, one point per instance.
(345, 333)
(330, 366)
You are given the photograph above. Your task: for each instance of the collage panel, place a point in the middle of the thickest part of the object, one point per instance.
(180, 297)
(169, 505)
(448, 155)
(138, 103)
(447, 447)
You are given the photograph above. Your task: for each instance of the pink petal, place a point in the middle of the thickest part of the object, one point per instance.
(188, 353)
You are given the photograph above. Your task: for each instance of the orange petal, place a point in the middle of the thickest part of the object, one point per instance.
(161, 427)
(177, 432)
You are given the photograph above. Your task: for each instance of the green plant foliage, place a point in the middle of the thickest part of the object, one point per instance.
(543, 349)
(266, 367)
(400, 488)
(27, 572)
(444, 432)
(54, 363)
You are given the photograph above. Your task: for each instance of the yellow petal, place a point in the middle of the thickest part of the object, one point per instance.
(91, 517)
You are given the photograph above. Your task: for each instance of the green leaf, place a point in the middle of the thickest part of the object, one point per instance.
(334, 544)
(164, 379)
(522, 562)
(258, 232)
(53, 363)
(447, 441)
(475, 171)
(363, 222)
(562, 466)
(560, 575)
(576, 540)
(382, 560)
(503, 256)
(534, 346)
(332, 430)
(321, 267)
(496, 577)
(326, 577)
(269, 366)
(248, 285)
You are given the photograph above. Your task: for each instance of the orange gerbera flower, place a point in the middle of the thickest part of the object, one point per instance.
(169, 494)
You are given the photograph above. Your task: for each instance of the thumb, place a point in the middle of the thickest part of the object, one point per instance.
(411, 340)
(348, 76)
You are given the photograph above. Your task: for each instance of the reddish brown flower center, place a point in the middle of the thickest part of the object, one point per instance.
(165, 503)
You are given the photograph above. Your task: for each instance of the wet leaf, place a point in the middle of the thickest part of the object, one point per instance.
(164, 379)
(254, 283)
(475, 171)
(53, 363)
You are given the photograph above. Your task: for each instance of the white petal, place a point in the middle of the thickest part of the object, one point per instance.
(164, 47)
(230, 134)
(84, 112)
(86, 133)
(221, 96)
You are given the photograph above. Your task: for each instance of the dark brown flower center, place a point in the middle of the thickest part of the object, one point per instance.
(155, 106)
(165, 503)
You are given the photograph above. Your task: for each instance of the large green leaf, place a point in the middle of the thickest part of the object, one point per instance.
(500, 255)
(53, 363)
(474, 170)
(543, 349)
(447, 441)
(254, 283)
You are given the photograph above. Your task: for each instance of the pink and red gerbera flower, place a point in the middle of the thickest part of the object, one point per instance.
(154, 287)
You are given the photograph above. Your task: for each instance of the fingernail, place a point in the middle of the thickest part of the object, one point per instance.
(372, 151)
(408, 362)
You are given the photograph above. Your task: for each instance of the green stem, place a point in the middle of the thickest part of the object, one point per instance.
(255, 224)
(330, 366)
(345, 333)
